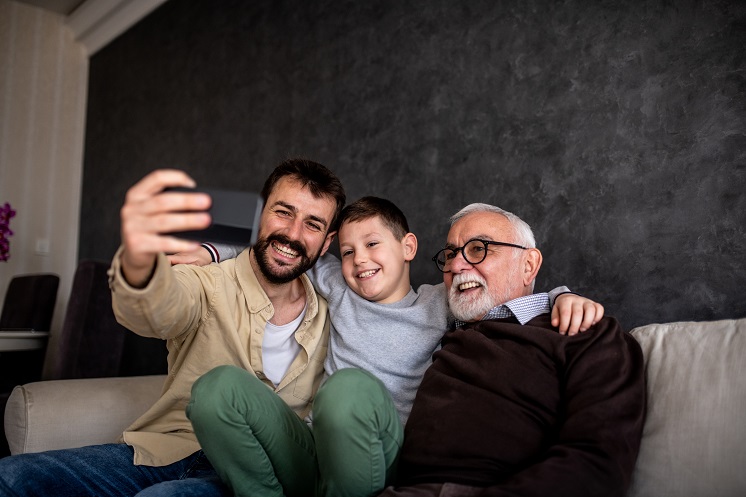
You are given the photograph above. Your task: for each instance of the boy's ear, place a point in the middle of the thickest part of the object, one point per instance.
(409, 244)
(327, 242)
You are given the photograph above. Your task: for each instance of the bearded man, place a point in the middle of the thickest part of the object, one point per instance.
(212, 316)
(509, 407)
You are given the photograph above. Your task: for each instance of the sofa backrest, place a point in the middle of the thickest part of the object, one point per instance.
(694, 439)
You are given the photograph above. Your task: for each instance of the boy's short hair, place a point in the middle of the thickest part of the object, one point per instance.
(367, 207)
(320, 181)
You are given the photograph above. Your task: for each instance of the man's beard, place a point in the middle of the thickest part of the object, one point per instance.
(285, 273)
(473, 307)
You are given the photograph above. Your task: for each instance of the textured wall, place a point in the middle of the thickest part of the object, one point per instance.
(616, 129)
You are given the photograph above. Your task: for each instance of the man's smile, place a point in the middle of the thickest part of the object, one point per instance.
(468, 285)
(284, 250)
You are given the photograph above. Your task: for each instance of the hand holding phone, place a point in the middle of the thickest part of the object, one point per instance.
(235, 217)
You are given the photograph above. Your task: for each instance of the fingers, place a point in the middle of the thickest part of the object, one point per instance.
(156, 181)
(599, 313)
(556, 318)
(198, 257)
(148, 213)
(573, 314)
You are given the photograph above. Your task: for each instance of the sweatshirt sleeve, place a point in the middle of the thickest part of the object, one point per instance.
(556, 292)
(222, 251)
(326, 275)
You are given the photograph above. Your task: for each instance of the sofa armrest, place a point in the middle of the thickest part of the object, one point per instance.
(62, 414)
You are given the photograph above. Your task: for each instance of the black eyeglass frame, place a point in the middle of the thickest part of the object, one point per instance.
(456, 250)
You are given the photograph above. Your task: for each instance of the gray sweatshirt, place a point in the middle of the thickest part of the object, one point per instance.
(394, 342)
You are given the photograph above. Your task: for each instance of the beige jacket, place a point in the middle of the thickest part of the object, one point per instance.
(210, 316)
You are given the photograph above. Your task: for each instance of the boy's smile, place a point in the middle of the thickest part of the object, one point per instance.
(367, 274)
(375, 264)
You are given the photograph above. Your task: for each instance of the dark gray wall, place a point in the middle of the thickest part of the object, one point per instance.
(616, 129)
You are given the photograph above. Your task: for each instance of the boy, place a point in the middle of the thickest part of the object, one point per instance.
(384, 334)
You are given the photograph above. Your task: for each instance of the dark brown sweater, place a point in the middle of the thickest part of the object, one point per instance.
(522, 410)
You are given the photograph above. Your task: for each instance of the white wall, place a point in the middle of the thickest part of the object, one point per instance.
(42, 117)
(43, 94)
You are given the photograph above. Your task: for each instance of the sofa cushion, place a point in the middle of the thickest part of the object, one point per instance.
(694, 440)
(63, 414)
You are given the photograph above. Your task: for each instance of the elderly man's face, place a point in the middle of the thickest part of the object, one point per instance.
(475, 289)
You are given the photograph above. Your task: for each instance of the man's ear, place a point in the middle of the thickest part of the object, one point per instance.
(327, 242)
(531, 264)
(409, 244)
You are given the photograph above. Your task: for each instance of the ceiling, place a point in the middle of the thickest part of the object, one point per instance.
(94, 23)
(64, 7)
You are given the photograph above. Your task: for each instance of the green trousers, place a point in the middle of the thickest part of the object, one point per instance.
(261, 448)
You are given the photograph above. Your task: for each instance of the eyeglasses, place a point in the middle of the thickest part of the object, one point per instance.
(474, 252)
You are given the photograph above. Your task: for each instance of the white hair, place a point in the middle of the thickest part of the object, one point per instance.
(522, 231)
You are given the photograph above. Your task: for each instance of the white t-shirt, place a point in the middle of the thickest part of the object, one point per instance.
(279, 348)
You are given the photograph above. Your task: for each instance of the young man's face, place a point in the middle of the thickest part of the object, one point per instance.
(374, 263)
(475, 289)
(294, 231)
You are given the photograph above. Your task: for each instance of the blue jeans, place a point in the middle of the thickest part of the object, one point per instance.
(105, 470)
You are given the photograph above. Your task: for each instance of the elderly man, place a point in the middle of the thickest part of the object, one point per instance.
(508, 406)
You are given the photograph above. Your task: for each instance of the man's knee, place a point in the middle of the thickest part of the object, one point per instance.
(218, 388)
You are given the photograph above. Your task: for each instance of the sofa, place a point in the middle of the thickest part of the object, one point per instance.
(693, 445)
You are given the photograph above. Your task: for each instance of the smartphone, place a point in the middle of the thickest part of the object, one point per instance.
(235, 216)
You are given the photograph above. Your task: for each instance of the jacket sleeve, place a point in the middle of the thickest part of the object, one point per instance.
(595, 447)
(172, 303)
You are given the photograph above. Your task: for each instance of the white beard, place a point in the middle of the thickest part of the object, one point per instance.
(473, 307)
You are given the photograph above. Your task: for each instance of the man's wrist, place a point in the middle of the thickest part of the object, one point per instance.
(136, 275)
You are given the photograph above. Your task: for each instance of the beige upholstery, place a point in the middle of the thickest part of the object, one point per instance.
(72, 413)
(694, 440)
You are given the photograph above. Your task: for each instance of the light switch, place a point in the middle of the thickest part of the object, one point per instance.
(42, 246)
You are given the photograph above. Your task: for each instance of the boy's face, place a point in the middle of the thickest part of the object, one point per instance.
(374, 263)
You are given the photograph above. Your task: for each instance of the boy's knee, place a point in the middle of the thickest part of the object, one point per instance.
(347, 392)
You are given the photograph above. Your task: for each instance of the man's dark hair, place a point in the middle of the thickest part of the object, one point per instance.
(320, 181)
(367, 207)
